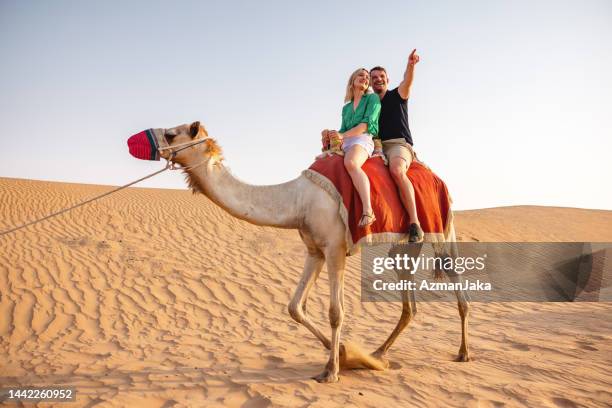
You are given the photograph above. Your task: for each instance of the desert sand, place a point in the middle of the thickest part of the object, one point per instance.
(157, 298)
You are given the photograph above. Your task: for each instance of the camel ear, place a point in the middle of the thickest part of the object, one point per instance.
(194, 129)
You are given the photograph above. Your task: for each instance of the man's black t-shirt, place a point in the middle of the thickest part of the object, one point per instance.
(393, 121)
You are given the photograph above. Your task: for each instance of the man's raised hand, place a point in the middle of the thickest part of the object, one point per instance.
(413, 58)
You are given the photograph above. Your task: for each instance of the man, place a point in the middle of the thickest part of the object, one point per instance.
(396, 138)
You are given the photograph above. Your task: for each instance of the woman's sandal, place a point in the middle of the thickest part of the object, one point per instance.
(367, 219)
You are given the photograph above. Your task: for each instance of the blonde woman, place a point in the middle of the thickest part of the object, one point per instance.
(359, 125)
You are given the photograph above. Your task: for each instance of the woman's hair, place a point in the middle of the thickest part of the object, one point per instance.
(349, 87)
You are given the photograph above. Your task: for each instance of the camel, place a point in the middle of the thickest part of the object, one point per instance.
(297, 204)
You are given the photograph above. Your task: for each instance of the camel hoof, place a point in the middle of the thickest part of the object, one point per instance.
(381, 358)
(463, 357)
(326, 377)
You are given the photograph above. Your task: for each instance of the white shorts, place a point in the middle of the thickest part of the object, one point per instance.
(364, 140)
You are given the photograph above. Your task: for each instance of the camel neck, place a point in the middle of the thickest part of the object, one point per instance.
(273, 205)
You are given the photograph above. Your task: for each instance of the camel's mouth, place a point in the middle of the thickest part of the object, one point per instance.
(145, 145)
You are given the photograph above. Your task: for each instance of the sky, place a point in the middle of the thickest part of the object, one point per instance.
(511, 102)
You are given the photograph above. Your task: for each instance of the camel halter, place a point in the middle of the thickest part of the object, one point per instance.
(170, 165)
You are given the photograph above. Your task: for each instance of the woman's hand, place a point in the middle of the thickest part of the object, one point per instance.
(335, 139)
(335, 133)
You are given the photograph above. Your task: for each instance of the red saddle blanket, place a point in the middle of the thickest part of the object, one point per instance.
(433, 201)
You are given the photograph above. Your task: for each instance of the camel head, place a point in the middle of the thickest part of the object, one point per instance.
(181, 136)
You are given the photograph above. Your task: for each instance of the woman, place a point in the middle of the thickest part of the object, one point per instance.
(359, 125)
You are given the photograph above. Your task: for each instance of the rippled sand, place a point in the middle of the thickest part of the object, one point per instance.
(157, 298)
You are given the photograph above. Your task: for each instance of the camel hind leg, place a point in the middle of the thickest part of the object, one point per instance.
(408, 312)
(464, 310)
(463, 303)
(409, 307)
(409, 303)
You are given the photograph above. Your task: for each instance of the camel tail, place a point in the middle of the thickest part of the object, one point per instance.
(443, 250)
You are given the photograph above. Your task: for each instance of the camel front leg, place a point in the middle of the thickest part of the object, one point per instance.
(297, 306)
(335, 267)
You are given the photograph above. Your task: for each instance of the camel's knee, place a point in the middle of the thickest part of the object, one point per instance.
(406, 317)
(336, 316)
(408, 313)
(296, 311)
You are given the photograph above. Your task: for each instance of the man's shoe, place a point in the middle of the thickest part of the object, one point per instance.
(415, 233)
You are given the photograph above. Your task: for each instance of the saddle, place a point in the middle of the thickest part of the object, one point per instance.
(432, 198)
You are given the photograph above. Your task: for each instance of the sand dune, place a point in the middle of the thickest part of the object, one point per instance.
(158, 298)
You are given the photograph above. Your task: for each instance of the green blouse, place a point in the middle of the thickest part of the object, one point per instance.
(367, 111)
